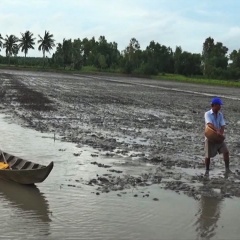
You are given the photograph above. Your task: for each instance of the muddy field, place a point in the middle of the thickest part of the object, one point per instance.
(154, 124)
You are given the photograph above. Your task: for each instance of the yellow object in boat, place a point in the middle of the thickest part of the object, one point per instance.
(3, 165)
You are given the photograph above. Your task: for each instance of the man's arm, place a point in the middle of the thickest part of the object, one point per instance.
(212, 126)
(208, 120)
(222, 123)
(219, 131)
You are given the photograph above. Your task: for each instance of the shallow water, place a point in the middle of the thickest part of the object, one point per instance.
(64, 207)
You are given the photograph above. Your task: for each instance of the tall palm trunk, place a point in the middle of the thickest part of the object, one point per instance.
(25, 59)
(43, 58)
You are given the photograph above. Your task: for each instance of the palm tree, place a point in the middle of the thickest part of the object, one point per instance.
(46, 44)
(1, 44)
(11, 46)
(26, 42)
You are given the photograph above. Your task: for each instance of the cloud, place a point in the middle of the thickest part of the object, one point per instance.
(231, 38)
(185, 23)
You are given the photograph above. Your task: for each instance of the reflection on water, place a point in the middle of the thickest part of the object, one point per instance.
(24, 211)
(208, 215)
(27, 198)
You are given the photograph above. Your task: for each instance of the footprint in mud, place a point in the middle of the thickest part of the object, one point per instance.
(101, 165)
(76, 154)
(116, 171)
(94, 155)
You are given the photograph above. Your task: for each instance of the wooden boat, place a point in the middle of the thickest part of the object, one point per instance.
(23, 171)
(212, 135)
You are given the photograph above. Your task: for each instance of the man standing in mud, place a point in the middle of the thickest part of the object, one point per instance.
(214, 119)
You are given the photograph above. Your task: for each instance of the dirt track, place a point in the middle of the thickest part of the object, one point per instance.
(144, 122)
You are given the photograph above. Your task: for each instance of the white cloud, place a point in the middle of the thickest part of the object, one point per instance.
(231, 38)
(170, 22)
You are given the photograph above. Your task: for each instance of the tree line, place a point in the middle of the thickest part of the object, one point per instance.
(12, 44)
(213, 62)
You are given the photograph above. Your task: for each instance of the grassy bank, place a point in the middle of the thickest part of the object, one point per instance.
(197, 80)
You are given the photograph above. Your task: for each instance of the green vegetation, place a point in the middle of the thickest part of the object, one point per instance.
(198, 80)
(46, 43)
(100, 56)
(26, 42)
(12, 44)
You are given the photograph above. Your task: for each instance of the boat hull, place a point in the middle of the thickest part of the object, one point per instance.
(23, 171)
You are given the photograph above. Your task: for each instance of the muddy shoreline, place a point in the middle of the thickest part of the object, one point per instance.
(153, 124)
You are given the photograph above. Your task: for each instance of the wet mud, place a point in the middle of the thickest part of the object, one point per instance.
(151, 130)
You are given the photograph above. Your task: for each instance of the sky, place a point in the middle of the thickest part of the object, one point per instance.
(185, 23)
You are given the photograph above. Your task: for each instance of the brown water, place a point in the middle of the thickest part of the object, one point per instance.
(64, 207)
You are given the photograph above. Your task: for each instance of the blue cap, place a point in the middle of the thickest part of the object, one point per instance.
(217, 101)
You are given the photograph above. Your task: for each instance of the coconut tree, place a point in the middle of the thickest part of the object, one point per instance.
(11, 46)
(1, 44)
(46, 44)
(26, 42)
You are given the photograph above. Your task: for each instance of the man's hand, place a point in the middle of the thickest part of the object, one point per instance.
(219, 132)
(212, 126)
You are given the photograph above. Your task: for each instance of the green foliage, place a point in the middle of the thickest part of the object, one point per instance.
(160, 57)
(148, 69)
(89, 69)
(132, 55)
(1, 43)
(77, 58)
(21, 61)
(94, 55)
(177, 60)
(26, 42)
(214, 58)
(235, 58)
(198, 80)
(10, 46)
(190, 64)
(102, 61)
(46, 43)
(128, 67)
